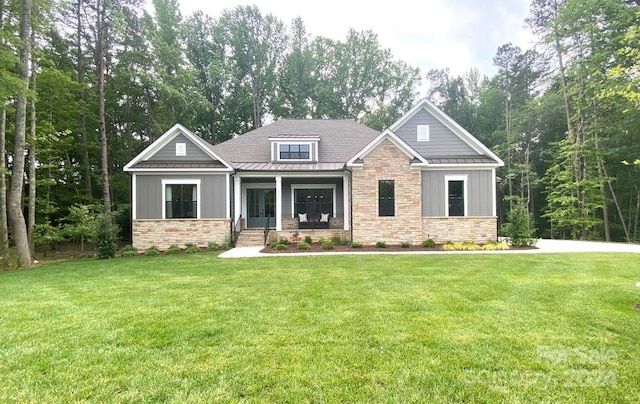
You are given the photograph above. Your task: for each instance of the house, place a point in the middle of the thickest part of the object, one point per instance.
(423, 177)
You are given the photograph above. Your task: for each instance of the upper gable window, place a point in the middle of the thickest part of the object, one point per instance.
(181, 149)
(423, 133)
(294, 152)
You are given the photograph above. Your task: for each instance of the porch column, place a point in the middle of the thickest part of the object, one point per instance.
(278, 203)
(237, 198)
(346, 183)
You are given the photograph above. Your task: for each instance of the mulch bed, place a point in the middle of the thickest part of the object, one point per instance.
(316, 247)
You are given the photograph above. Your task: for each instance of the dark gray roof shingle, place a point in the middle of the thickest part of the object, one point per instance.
(340, 140)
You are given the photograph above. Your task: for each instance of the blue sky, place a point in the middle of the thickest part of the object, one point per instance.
(430, 34)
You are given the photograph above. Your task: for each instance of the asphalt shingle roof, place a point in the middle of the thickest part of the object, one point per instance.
(340, 140)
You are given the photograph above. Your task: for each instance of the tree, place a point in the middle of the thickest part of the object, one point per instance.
(16, 217)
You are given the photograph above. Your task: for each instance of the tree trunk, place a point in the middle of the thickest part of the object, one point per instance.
(16, 216)
(100, 66)
(4, 230)
(83, 117)
(31, 216)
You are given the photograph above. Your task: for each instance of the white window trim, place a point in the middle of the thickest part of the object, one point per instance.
(447, 179)
(312, 186)
(172, 181)
(181, 149)
(428, 131)
(312, 154)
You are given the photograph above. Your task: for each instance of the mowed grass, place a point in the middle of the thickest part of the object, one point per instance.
(391, 328)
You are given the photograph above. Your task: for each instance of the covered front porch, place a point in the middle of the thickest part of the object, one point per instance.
(292, 201)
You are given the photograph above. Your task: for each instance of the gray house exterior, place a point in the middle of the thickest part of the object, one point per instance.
(423, 177)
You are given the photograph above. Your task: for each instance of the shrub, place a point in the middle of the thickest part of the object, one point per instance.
(381, 244)
(281, 247)
(450, 246)
(322, 240)
(192, 249)
(308, 239)
(327, 245)
(405, 244)
(356, 245)
(104, 236)
(213, 246)
(470, 246)
(429, 243)
(283, 240)
(493, 245)
(129, 251)
(152, 251)
(226, 244)
(173, 249)
(337, 240)
(518, 226)
(303, 246)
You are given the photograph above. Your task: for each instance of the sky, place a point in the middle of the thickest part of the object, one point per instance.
(429, 34)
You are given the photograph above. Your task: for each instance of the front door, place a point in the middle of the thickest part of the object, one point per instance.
(261, 206)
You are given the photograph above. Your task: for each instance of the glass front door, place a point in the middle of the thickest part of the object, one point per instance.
(261, 205)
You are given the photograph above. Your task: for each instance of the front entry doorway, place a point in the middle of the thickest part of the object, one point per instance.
(261, 206)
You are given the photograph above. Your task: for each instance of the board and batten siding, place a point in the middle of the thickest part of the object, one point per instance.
(213, 195)
(442, 141)
(480, 188)
(168, 152)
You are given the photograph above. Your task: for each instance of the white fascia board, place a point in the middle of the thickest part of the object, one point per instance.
(167, 137)
(447, 121)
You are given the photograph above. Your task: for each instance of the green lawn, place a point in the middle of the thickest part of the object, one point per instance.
(193, 328)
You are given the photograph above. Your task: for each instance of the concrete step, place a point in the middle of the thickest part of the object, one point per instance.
(250, 238)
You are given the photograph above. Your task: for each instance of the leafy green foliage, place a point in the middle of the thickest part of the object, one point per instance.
(129, 251)
(518, 228)
(173, 249)
(405, 244)
(152, 251)
(428, 243)
(356, 245)
(381, 244)
(303, 246)
(308, 239)
(104, 236)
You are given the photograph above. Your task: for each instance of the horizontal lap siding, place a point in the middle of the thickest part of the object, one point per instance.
(168, 152)
(213, 195)
(442, 143)
(479, 192)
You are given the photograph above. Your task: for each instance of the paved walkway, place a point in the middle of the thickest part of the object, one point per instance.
(544, 246)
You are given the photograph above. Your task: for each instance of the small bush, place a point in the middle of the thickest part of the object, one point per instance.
(273, 244)
(493, 245)
(429, 243)
(213, 246)
(308, 239)
(518, 227)
(303, 246)
(193, 249)
(226, 244)
(327, 245)
(282, 247)
(322, 240)
(356, 245)
(337, 240)
(129, 251)
(381, 244)
(450, 246)
(104, 236)
(470, 246)
(283, 240)
(152, 251)
(173, 249)
(405, 244)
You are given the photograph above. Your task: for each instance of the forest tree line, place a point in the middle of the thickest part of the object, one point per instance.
(86, 85)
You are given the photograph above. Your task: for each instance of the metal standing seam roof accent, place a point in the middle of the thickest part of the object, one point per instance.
(462, 160)
(181, 165)
(289, 167)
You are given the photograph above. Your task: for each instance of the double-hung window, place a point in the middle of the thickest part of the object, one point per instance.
(386, 198)
(181, 199)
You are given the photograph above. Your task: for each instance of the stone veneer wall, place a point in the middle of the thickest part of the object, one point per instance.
(314, 234)
(289, 223)
(387, 162)
(163, 233)
(460, 229)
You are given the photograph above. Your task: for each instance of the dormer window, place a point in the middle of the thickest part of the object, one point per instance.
(294, 152)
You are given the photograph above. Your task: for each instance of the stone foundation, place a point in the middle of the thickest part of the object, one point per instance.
(314, 234)
(164, 233)
(289, 223)
(460, 229)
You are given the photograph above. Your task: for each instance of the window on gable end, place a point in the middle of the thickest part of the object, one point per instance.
(181, 149)
(423, 133)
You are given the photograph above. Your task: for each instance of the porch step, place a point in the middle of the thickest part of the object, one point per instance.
(250, 238)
